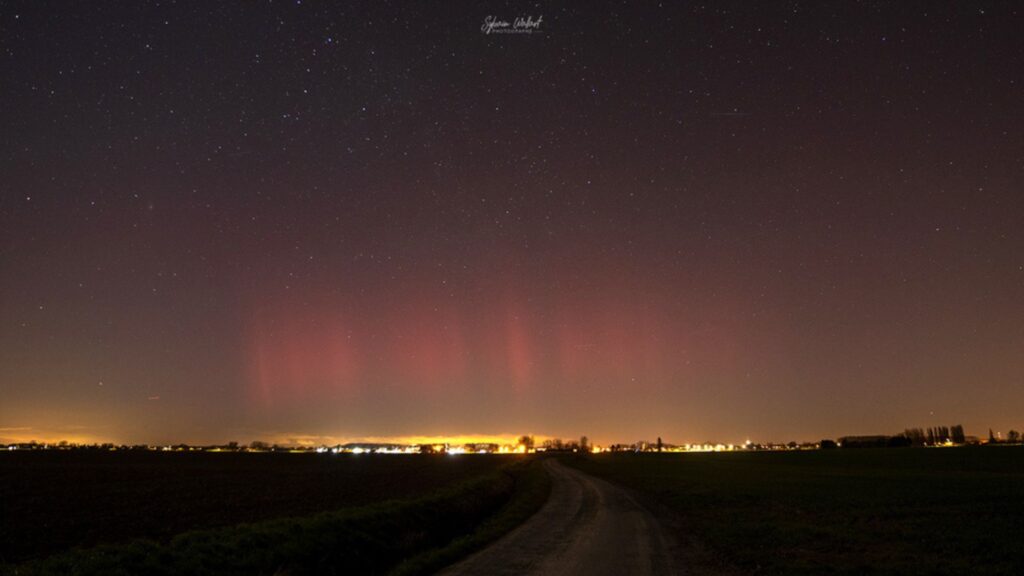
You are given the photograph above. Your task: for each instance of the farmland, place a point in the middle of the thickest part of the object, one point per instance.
(54, 501)
(871, 511)
(845, 511)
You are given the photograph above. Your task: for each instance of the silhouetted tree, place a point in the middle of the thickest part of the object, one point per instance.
(958, 435)
(827, 444)
(915, 435)
(991, 437)
(526, 441)
(660, 445)
(584, 444)
(1013, 436)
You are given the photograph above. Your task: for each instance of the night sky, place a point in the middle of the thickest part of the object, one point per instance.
(301, 221)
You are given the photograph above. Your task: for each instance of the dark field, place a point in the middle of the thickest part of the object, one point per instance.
(872, 511)
(52, 500)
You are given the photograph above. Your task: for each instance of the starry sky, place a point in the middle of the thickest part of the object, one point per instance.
(295, 221)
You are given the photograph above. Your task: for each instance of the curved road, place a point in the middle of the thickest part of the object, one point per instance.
(588, 526)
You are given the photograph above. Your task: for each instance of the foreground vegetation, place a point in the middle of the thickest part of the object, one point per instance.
(872, 511)
(53, 501)
(407, 536)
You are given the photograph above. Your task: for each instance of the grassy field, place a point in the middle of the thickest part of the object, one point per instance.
(872, 511)
(53, 501)
(396, 537)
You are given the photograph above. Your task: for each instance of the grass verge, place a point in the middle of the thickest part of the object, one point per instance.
(533, 486)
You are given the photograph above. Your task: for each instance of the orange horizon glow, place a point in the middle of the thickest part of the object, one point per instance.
(44, 437)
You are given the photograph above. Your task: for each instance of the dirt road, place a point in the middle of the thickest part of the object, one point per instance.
(588, 526)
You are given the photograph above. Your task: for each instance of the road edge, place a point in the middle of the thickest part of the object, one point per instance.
(531, 492)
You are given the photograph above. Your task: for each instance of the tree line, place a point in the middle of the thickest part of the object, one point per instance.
(1012, 437)
(935, 436)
